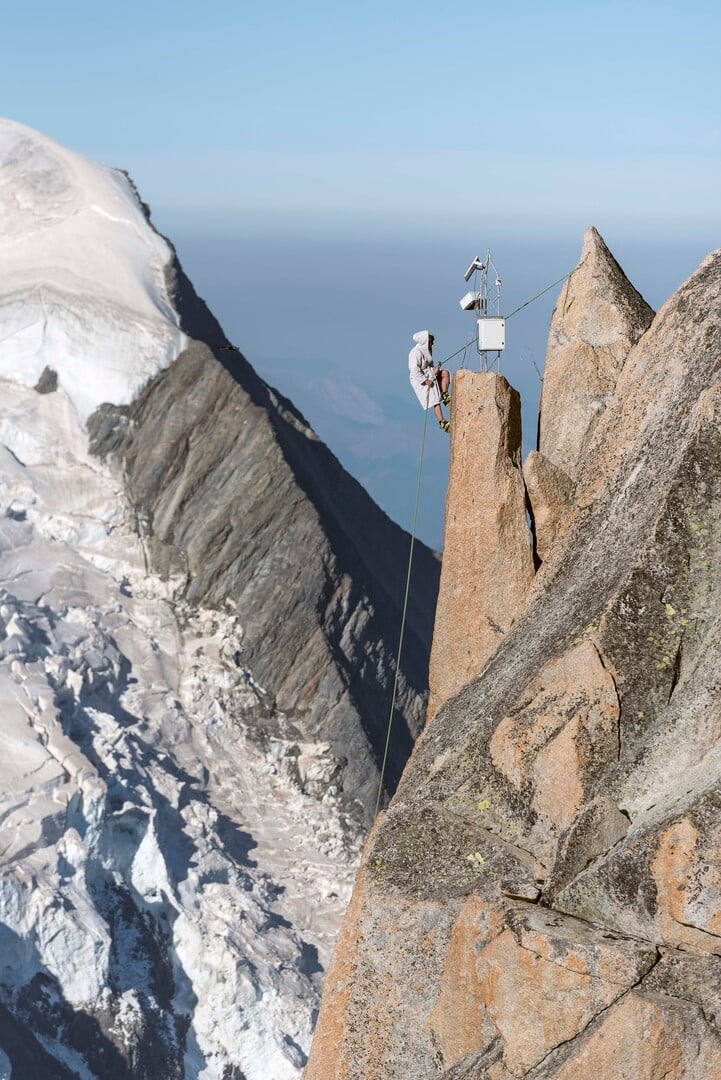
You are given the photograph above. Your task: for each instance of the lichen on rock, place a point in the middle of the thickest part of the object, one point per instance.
(583, 760)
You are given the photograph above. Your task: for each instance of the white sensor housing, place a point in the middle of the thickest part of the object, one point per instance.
(491, 334)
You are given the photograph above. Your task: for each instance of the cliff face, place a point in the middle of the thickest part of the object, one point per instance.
(243, 506)
(541, 898)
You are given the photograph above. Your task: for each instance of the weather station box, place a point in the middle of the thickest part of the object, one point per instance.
(491, 334)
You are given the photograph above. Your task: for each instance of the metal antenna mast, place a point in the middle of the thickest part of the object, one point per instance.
(491, 324)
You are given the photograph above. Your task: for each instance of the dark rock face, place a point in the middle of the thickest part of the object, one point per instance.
(140, 1049)
(26, 1055)
(235, 492)
(48, 381)
(585, 760)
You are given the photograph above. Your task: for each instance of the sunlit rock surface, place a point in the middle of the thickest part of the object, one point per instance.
(582, 768)
(597, 320)
(550, 498)
(487, 559)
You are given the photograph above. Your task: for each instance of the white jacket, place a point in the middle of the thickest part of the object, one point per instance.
(420, 368)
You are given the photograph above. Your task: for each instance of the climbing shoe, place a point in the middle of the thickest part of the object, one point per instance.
(445, 425)
(446, 397)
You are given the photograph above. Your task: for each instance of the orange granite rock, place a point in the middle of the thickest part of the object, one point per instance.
(597, 320)
(645, 1037)
(546, 977)
(362, 1029)
(487, 560)
(550, 494)
(687, 873)
(580, 768)
(566, 730)
(459, 1023)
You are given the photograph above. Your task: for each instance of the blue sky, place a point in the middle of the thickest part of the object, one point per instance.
(384, 109)
(353, 158)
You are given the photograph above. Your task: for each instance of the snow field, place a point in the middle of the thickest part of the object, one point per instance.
(164, 870)
(155, 862)
(83, 286)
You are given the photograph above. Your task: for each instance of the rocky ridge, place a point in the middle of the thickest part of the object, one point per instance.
(541, 897)
(598, 318)
(241, 503)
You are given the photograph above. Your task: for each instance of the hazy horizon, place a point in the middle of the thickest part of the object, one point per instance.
(328, 172)
(329, 323)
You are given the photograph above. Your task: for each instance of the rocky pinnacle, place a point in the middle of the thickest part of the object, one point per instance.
(598, 318)
(487, 561)
(541, 898)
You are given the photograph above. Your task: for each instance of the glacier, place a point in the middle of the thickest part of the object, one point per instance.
(170, 887)
(83, 285)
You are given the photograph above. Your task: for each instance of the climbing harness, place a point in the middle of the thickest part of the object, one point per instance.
(405, 609)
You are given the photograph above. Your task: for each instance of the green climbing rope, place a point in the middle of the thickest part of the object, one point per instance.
(232, 348)
(405, 608)
(462, 349)
(541, 293)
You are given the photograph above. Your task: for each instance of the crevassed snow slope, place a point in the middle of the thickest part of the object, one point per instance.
(157, 870)
(82, 275)
(169, 891)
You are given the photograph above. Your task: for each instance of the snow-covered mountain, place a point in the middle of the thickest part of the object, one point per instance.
(194, 613)
(83, 285)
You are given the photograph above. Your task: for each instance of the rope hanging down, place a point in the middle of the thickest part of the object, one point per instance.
(234, 348)
(405, 610)
(413, 540)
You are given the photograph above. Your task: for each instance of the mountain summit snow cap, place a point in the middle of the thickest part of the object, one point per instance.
(83, 287)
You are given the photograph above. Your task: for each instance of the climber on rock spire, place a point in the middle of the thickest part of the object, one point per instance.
(429, 382)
